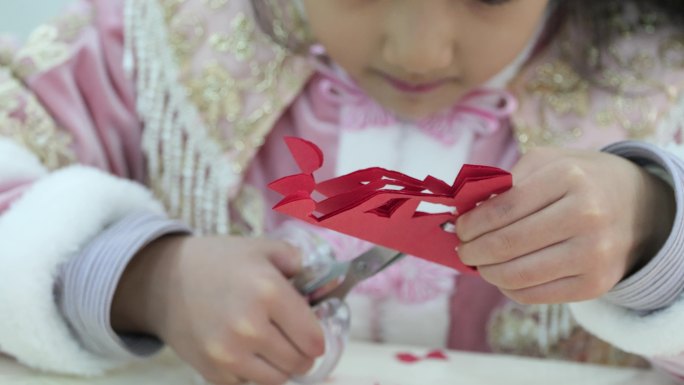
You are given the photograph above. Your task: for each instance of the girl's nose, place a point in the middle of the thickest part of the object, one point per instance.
(420, 39)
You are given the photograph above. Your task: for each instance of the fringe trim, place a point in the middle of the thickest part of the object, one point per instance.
(555, 324)
(186, 168)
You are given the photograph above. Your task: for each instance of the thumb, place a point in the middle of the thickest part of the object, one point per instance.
(285, 257)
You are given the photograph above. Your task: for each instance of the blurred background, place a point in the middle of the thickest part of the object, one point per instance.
(19, 17)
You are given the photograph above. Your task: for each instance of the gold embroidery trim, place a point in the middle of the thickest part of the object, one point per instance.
(561, 92)
(48, 45)
(219, 95)
(24, 120)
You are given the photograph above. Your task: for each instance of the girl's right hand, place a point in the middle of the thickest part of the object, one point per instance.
(225, 305)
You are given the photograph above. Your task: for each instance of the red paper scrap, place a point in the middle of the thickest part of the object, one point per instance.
(437, 355)
(410, 358)
(407, 358)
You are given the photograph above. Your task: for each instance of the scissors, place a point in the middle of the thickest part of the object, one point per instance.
(326, 283)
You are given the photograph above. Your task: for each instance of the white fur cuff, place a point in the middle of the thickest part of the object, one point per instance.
(17, 163)
(43, 229)
(655, 334)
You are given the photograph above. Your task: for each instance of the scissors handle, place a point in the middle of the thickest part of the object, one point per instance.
(335, 319)
(330, 308)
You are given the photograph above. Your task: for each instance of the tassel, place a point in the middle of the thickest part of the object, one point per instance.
(554, 325)
(185, 167)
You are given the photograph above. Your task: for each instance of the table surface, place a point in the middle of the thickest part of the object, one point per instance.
(365, 364)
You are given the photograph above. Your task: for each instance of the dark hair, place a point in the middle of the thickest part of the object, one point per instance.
(598, 17)
(598, 22)
(283, 22)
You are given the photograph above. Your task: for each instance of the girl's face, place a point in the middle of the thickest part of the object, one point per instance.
(418, 57)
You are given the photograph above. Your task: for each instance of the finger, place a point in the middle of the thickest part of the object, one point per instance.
(325, 289)
(549, 226)
(282, 354)
(564, 290)
(544, 266)
(531, 162)
(213, 370)
(224, 379)
(285, 257)
(525, 198)
(257, 370)
(295, 319)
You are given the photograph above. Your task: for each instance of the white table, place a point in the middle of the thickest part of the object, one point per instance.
(377, 365)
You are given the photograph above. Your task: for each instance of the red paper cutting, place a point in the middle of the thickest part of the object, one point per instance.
(383, 206)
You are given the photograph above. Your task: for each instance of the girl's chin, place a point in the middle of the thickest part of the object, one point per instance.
(416, 113)
(413, 109)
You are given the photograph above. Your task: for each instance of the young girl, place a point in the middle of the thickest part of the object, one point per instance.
(125, 114)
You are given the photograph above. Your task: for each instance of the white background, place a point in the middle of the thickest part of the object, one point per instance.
(19, 17)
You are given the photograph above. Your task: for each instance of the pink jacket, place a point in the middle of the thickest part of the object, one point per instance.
(174, 107)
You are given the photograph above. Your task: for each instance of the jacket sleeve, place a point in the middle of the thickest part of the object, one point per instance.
(643, 314)
(70, 166)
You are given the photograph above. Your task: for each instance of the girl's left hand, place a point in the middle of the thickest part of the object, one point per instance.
(574, 224)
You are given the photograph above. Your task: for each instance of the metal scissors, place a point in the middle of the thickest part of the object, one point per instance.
(327, 282)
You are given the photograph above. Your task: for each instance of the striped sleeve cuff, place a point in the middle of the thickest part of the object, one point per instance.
(87, 284)
(660, 283)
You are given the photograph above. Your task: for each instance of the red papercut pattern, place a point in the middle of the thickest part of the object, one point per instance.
(383, 206)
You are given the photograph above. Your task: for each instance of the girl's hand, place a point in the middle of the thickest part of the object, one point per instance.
(224, 305)
(574, 224)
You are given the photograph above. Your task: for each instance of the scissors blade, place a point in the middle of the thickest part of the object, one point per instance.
(372, 262)
(361, 268)
(318, 275)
